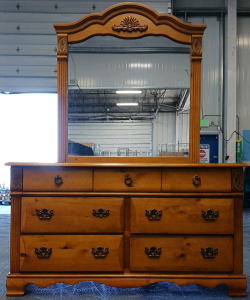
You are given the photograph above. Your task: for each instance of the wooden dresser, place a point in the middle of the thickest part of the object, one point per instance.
(126, 226)
(127, 221)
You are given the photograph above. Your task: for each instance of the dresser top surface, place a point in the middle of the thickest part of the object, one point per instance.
(126, 165)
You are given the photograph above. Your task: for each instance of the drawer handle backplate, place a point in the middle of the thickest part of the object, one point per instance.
(128, 180)
(44, 214)
(153, 214)
(210, 215)
(100, 213)
(43, 252)
(209, 252)
(100, 252)
(196, 181)
(58, 180)
(153, 252)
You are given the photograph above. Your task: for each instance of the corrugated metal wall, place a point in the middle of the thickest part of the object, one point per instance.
(110, 137)
(160, 70)
(243, 73)
(28, 39)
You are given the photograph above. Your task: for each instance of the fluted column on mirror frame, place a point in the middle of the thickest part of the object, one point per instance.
(195, 95)
(62, 91)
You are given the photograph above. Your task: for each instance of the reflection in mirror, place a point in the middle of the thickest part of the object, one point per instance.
(153, 122)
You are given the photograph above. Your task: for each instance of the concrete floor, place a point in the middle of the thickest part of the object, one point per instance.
(92, 290)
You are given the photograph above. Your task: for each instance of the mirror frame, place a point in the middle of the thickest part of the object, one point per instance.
(141, 21)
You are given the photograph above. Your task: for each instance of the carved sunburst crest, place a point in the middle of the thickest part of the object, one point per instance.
(130, 24)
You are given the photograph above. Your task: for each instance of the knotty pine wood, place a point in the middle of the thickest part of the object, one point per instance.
(112, 179)
(181, 254)
(238, 236)
(15, 234)
(62, 94)
(71, 253)
(181, 216)
(72, 215)
(42, 179)
(213, 179)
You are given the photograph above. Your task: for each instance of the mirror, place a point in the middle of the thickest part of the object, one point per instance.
(130, 22)
(152, 122)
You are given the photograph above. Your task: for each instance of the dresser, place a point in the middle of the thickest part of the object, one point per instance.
(127, 221)
(126, 226)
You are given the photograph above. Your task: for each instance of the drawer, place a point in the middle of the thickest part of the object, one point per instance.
(57, 179)
(196, 180)
(127, 179)
(182, 215)
(185, 254)
(72, 215)
(71, 253)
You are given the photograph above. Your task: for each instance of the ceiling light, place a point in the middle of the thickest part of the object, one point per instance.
(128, 92)
(127, 104)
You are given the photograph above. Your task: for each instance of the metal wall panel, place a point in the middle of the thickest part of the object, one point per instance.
(62, 6)
(165, 70)
(163, 130)
(112, 136)
(243, 73)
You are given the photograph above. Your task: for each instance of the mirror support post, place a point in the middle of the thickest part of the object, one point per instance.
(62, 92)
(195, 93)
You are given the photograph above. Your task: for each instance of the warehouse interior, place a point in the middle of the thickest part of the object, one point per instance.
(151, 121)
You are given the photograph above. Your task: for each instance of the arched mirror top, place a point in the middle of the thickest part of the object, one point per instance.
(129, 21)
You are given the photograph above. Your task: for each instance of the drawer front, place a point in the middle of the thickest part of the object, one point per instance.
(127, 179)
(72, 215)
(182, 215)
(71, 253)
(57, 179)
(185, 254)
(196, 180)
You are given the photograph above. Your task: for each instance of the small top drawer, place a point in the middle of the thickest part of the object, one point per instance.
(196, 180)
(51, 179)
(127, 179)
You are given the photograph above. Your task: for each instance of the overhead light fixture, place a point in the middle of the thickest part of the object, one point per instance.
(128, 92)
(127, 104)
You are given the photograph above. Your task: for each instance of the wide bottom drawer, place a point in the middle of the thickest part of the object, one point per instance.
(186, 254)
(71, 253)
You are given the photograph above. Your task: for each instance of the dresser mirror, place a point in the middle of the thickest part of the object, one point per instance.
(93, 51)
(128, 97)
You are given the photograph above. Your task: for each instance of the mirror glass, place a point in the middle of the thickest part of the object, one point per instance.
(105, 120)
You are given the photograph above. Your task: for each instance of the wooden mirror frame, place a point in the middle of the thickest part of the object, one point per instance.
(143, 21)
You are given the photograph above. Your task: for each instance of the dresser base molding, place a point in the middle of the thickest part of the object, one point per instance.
(236, 283)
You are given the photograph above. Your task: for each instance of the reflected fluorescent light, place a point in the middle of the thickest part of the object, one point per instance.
(127, 104)
(128, 92)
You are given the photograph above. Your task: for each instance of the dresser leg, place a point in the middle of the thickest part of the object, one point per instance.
(15, 287)
(237, 288)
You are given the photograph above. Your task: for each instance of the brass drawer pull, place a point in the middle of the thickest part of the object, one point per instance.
(153, 214)
(43, 252)
(100, 213)
(44, 214)
(210, 215)
(128, 180)
(153, 252)
(196, 181)
(100, 252)
(58, 180)
(209, 252)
